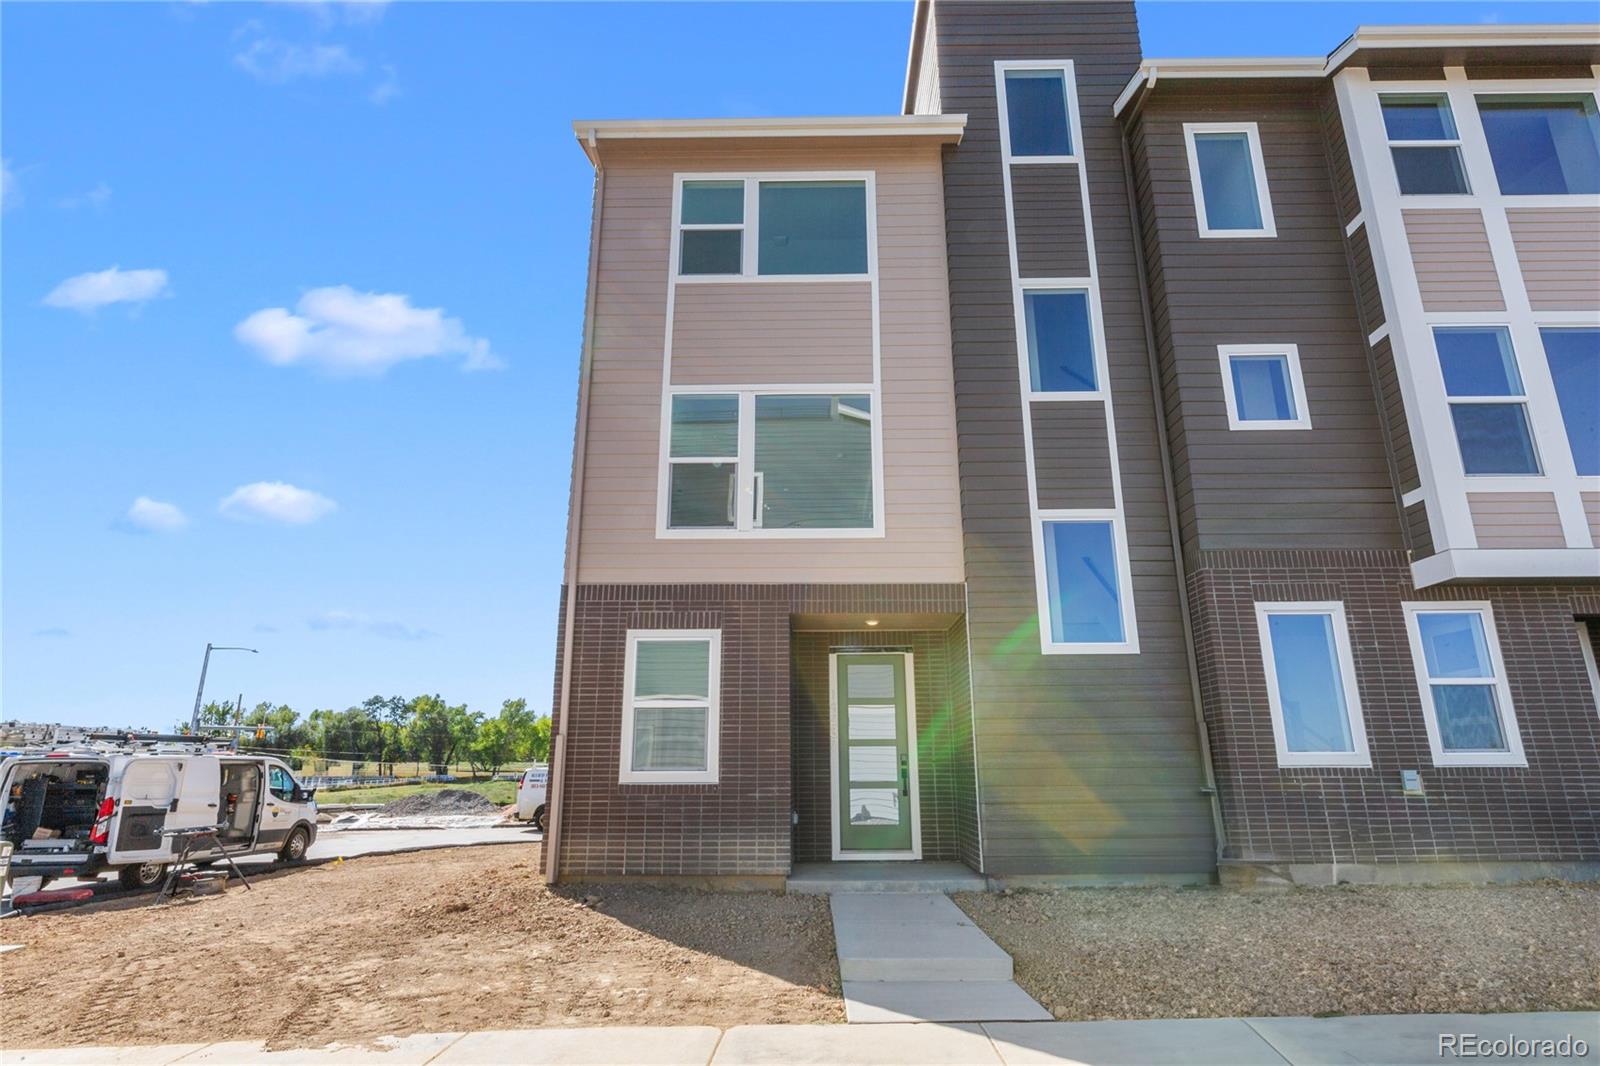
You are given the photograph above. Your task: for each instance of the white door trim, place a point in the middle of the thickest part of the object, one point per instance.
(839, 855)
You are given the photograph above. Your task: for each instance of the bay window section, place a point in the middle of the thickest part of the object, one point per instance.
(1573, 355)
(1466, 703)
(671, 683)
(1311, 685)
(1543, 143)
(1488, 405)
(1424, 144)
(772, 463)
(1084, 588)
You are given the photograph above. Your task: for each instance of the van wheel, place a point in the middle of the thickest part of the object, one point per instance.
(145, 875)
(294, 849)
(538, 818)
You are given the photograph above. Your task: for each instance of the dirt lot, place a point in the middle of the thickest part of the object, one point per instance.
(467, 939)
(1160, 953)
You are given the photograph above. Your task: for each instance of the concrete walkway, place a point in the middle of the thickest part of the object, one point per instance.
(1397, 1039)
(916, 957)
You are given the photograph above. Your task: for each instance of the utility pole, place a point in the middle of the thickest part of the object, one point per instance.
(238, 717)
(199, 693)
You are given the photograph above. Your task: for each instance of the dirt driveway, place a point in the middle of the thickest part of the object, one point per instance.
(453, 940)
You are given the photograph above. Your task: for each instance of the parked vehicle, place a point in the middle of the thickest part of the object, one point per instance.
(531, 789)
(102, 807)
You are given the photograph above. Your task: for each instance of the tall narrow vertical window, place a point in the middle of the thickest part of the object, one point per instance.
(1263, 387)
(1487, 403)
(1037, 120)
(1543, 143)
(1229, 179)
(703, 462)
(671, 683)
(1466, 703)
(812, 227)
(1311, 685)
(1574, 358)
(1082, 585)
(1424, 144)
(813, 462)
(711, 221)
(1060, 340)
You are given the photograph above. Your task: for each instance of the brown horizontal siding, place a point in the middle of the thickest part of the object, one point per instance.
(1394, 416)
(1071, 454)
(1368, 295)
(1419, 535)
(1558, 250)
(1454, 264)
(1047, 207)
(1330, 486)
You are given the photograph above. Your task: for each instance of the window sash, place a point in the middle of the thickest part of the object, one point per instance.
(1294, 384)
(1511, 754)
(1342, 665)
(631, 768)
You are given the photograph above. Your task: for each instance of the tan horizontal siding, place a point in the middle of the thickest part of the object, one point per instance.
(1454, 264)
(922, 503)
(1516, 520)
(764, 333)
(1591, 511)
(1558, 250)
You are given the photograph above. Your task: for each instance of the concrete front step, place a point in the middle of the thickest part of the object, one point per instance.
(922, 938)
(879, 1002)
(826, 878)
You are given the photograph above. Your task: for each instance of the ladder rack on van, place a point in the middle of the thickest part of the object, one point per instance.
(147, 743)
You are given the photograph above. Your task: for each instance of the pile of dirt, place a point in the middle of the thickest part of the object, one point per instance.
(445, 801)
(457, 940)
(1089, 954)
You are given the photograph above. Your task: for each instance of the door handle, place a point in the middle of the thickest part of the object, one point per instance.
(905, 778)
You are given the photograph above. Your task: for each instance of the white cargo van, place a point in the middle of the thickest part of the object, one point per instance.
(100, 808)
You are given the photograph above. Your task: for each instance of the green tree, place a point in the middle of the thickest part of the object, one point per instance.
(492, 747)
(538, 749)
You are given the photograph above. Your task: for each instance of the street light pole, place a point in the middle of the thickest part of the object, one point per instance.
(199, 693)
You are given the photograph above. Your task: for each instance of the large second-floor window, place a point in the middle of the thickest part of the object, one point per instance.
(1543, 143)
(1488, 404)
(761, 462)
(1424, 144)
(1574, 358)
(739, 227)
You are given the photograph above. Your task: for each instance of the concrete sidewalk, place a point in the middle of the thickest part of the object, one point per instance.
(1404, 1038)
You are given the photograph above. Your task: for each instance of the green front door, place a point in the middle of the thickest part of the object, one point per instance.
(874, 742)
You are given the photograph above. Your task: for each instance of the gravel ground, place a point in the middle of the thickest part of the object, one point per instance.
(1170, 953)
(455, 940)
(444, 801)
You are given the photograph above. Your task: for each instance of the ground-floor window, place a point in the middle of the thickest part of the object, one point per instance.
(671, 683)
(1311, 685)
(1466, 702)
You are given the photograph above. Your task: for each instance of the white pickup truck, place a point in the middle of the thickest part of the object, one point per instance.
(88, 810)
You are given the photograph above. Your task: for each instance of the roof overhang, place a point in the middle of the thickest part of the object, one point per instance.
(940, 129)
(1377, 44)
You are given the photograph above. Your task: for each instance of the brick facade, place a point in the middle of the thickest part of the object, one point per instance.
(1548, 811)
(739, 826)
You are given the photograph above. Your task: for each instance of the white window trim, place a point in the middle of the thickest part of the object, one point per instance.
(1451, 142)
(1535, 415)
(1069, 82)
(751, 226)
(1513, 755)
(626, 774)
(1590, 666)
(1269, 226)
(1129, 645)
(1360, 755)
(1297, 386)
(748, 485)
(1090, 287)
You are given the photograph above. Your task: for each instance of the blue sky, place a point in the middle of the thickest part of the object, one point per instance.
(290, 303)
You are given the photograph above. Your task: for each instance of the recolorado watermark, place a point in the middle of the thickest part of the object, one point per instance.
(1473, 1046)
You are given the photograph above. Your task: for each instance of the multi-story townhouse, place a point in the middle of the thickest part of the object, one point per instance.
(1110, 469)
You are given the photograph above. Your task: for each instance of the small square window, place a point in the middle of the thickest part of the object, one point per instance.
(1060, 341)
(1263, 388)
(1228, 178)
(1466, 703)
(1543, 143)
(1036, 113)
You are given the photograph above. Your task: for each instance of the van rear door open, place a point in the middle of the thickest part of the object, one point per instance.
(162, 793)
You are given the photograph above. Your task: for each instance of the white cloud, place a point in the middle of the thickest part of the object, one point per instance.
(97, 198)
(10, 187)
(86, 292)
(155, 516)
(360, 333)
(274, 60)
(378, 627)
(275, 501)
(387, 89)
